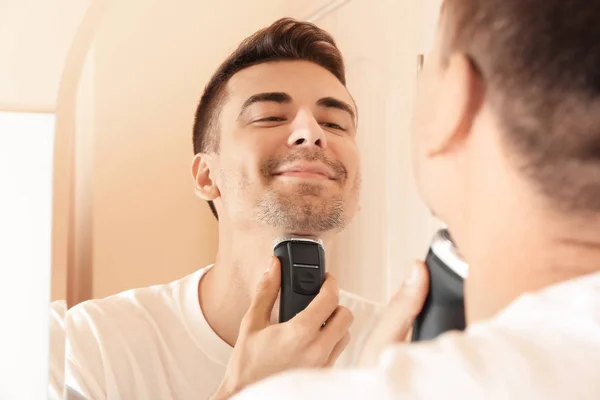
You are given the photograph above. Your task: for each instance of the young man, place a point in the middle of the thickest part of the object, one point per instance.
(507, 153)
(275, 154)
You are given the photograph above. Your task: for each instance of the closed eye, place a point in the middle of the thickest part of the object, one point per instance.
(332, 125)
(271, 119)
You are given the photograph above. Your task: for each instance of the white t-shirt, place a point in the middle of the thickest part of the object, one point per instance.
(154, 343)
(543, 346)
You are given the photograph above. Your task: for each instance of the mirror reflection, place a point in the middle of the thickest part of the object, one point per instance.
(196, 152)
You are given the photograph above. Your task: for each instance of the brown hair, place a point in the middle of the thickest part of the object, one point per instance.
(285, 39)
(540, 62)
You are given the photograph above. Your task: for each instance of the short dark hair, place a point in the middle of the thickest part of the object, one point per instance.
(540, 63)
(285, 39)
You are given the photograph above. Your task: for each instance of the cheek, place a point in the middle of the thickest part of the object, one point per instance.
(423, 129)
(254, 148)
(241, 158)
(424, 167)
(347, 153)
(439, 183)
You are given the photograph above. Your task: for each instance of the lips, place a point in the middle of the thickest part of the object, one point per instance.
(307, 170)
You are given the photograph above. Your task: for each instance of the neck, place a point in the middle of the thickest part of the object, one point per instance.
(522, 258)
(520, 243)
(226, 290)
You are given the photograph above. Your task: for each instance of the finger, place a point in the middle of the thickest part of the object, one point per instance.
(321, 307)
(398, 317)
(408, 334)
(337, 325)
(266, 293)
(338, 349)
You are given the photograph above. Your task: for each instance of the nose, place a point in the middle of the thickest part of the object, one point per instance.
(306, 132)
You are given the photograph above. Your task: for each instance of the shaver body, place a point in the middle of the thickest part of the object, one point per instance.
(302, 273)
(444, 308)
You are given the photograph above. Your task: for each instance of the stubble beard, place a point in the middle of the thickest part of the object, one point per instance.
(303, 210)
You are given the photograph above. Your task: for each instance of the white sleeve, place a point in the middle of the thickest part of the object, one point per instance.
(406, 371)
(84, 372)
(484, 364)
(320, 385)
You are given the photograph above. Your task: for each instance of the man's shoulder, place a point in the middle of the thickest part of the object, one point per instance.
(113, 341)
(131, 308)
(121, 306)
(348, 383)
(114, 321)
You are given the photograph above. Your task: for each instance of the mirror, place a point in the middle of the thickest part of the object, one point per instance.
(132, 67)
(125, 213)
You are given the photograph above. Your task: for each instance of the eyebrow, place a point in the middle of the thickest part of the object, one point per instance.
(332, 102)
(284, 98)
(276, 97)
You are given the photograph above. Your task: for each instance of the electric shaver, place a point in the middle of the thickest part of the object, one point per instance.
(444, 308)
(302, 273)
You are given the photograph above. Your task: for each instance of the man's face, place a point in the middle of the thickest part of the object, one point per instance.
(288, 156)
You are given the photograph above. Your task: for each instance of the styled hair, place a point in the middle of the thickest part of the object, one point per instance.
(540, 63)
(285, 39)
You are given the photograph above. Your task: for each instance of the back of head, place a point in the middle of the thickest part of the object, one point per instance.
(540, 63)
(284, 40)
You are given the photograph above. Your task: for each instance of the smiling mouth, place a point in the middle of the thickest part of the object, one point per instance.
(304, 175)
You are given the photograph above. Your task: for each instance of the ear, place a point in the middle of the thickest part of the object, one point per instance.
(460, 94)
(206, 187)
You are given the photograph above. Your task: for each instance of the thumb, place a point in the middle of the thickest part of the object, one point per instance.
(397, 318)
(264, 298)
(407, 303)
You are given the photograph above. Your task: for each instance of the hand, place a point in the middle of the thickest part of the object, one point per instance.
(397, 318)
(262, 349)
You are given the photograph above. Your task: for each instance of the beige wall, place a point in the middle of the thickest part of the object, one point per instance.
(150, 62)
(34, 40)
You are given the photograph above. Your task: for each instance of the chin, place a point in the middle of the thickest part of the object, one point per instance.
(304, 234)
